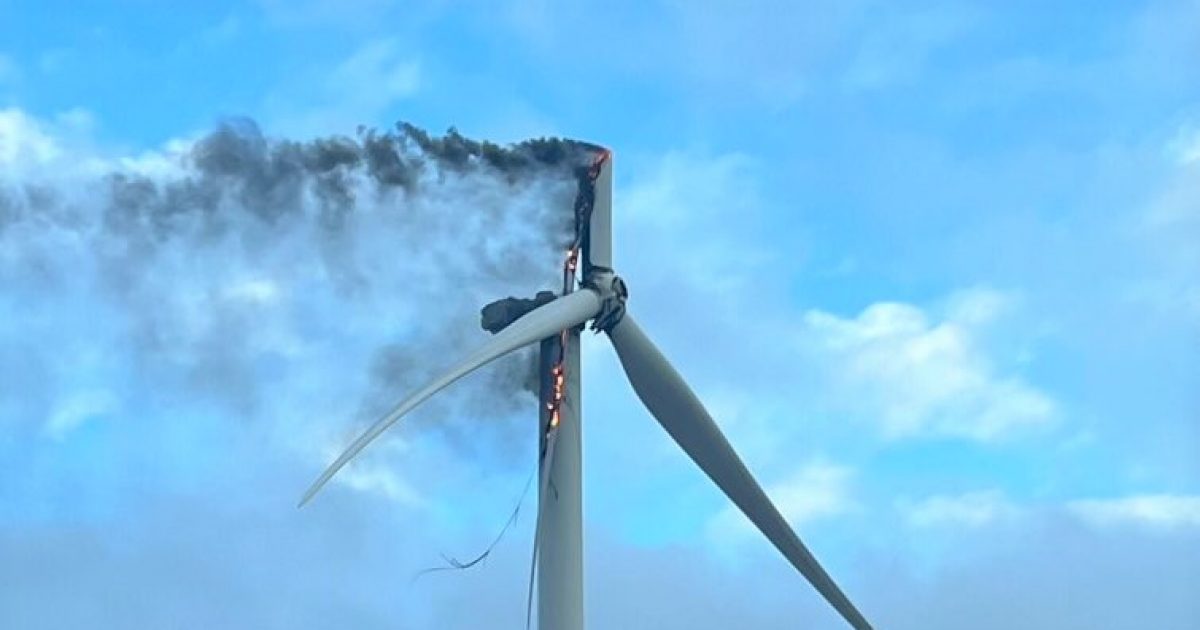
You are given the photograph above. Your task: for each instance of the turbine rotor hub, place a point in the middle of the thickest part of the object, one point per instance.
(613, 294)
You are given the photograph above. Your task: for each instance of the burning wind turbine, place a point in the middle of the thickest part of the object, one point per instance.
(556, 322)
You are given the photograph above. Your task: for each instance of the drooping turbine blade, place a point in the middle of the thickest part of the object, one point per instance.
(677, 409)
(544, 321)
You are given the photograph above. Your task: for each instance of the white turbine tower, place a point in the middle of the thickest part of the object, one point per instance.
(601, 298)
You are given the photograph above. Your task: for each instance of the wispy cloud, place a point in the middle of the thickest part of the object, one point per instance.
(24, 139)
(80, 407)
(969, 510)
(986, 508)
(55, 147)
(1152, 510)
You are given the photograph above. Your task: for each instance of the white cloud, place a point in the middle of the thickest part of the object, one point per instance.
(988, 507)
(819, 490)
(260, 291)
(159, 163)
(78, 408)
(916, 376)
(979, 306)
(61, 147)
(1154, 510)
(971, 509)
(24, 139)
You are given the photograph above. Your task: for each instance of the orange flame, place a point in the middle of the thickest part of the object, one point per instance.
(570, 265)
(554, 406)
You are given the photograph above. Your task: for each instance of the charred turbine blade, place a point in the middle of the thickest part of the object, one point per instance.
(565, 312)
(677, 409)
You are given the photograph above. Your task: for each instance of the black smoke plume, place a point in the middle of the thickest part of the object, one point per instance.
(268, 277)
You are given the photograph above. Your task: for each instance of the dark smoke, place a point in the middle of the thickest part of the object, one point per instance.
(268, 178)
(251, 255)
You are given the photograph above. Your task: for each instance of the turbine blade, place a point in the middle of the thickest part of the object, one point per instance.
(544, 321)
(599, 247)
(677, 409)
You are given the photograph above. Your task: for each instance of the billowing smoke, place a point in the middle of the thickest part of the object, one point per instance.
(309, 283)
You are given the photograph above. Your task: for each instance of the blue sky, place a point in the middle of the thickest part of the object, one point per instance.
(933, 267)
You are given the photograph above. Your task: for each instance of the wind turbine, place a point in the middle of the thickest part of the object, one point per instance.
(557, 323)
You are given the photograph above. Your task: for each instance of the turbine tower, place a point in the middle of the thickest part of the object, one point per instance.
(556, 323)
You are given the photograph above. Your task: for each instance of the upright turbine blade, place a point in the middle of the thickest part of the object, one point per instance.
(600, 227)
(564, 312)
(677, 409)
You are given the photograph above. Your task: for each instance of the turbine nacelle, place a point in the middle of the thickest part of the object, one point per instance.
(613, 294)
